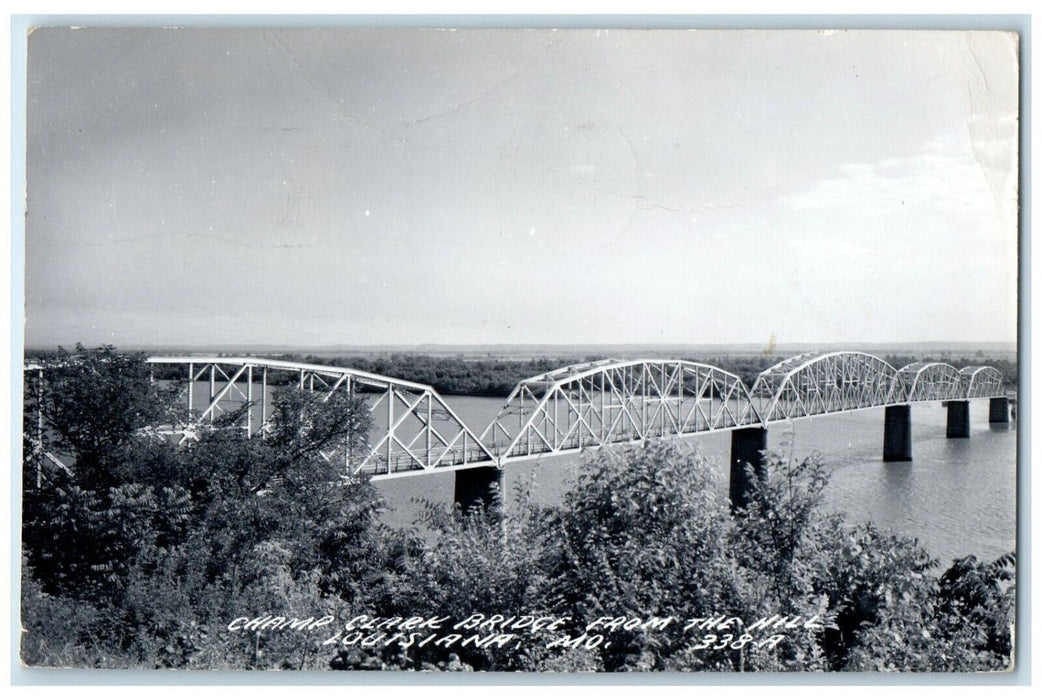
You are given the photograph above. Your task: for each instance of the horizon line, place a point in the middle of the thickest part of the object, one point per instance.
(362, 346)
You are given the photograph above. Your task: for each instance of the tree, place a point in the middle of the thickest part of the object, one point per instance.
(641, 534)
(165, 541)
(481, 561)
(95, 402)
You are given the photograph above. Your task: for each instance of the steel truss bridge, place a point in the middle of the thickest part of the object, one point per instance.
(608, 402)
(414, 431)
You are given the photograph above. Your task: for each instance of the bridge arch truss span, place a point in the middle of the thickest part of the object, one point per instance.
(815, 384)
(928, 381)
(413, 429)
(617, 401)
(981, 382)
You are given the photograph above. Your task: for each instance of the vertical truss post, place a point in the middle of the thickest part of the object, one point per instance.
(643, 402)
(682, 415)
(249, 401)
(557, 443)
(191, 391)
(710, 381)
(430, 418)
(390, 424)
(579, 411)
(680, 397)
(521, 422)
(213, 386)
(264, 401)
(604, 423)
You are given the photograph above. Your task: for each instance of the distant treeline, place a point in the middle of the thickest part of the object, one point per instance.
(448, 375)
(497, 377)
(748, 367)
(454, 375)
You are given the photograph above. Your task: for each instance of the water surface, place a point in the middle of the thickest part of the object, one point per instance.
(957, 496)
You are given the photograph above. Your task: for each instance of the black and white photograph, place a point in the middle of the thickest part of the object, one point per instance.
(568, 350)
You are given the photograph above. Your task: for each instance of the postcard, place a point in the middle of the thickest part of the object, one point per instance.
(409, 350)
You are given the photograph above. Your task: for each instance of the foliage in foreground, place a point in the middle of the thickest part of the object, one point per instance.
(143, 555)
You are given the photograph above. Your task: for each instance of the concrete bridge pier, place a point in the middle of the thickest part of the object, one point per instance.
(958, 419)
(477, 486)
(747, 446)
(998, 410)
(897, 434)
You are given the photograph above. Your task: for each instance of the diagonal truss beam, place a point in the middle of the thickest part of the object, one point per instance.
(612, 402)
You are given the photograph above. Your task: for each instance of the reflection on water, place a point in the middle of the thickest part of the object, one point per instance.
(957, 496)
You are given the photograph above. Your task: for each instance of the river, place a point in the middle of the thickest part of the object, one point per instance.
(957, 497)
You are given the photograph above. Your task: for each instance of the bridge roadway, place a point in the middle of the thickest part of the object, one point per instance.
(585, 406)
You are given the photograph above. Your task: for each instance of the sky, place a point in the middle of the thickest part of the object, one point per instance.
(405, 186)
